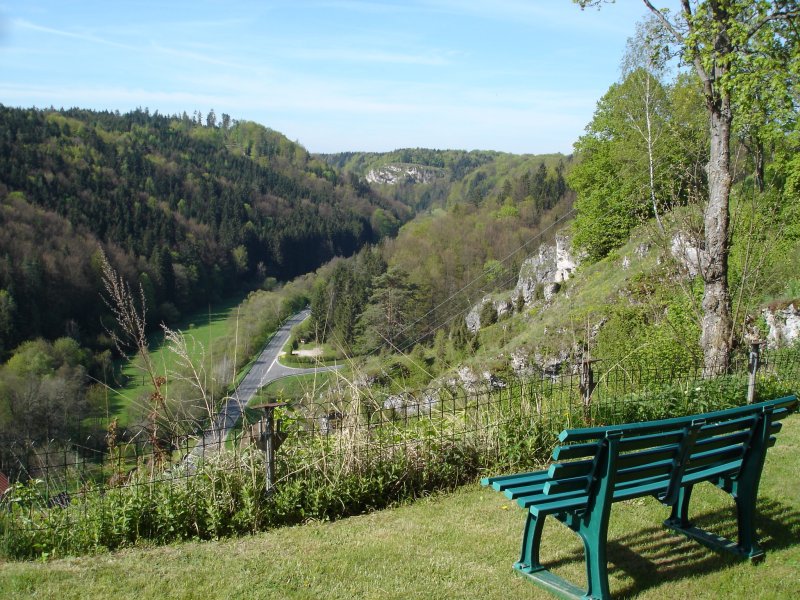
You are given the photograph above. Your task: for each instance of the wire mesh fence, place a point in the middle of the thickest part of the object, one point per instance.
(349, 453)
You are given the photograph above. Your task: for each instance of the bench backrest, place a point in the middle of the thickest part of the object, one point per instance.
(657, 457)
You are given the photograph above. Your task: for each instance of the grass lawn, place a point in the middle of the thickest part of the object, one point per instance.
(457, 545)
(204, 326)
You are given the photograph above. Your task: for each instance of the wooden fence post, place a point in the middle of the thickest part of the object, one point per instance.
(753, 364)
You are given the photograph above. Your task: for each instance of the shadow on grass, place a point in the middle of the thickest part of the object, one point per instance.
(656, 556)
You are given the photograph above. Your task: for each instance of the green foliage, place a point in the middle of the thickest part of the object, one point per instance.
(488, 314)
(43, 391)
(661, 329)
(390, 319)
(188, 210)
(612, 176)
(340, 295)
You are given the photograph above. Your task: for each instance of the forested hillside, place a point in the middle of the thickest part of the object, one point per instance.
(190, 208)
(418, 284)
(423, 178)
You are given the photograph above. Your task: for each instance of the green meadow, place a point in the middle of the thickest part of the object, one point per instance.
(202, 328)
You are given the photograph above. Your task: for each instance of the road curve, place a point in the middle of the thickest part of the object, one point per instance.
(265, 369)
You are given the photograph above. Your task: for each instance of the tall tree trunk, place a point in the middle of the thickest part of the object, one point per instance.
(716, 339)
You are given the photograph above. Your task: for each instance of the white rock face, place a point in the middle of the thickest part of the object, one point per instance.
(520, 363)
(551, 265)
(394, 174)
(469, 380)
(542, 273)
(473, 318)
(538, 269)
(503, 307)
(565, 262)
(784, 326)
(688, 253)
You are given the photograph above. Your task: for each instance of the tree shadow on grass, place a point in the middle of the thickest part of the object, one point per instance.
(655, 556)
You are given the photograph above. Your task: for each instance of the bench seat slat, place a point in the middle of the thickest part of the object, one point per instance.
(512, 493)
(542, 499)
(561, 504)
(708, 473)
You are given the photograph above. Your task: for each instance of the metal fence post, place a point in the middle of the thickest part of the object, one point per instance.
(752, 369)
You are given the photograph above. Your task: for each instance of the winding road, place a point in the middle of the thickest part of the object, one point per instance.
(265, 370)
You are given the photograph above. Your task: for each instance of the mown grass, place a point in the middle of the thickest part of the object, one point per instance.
(458, 545)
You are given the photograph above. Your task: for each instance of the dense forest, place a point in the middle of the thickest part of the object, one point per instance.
(191, 209)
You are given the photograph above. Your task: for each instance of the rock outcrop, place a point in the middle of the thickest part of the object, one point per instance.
(689, 253)
(540, 278)
(784, 325)
(399, 173)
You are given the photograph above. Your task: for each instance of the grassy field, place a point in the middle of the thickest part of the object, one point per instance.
(205, 327)
(294, 386)
(457, 545)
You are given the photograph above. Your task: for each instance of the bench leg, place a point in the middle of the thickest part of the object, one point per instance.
(746, 524)
(594, 545)
(531, 540)
(680, 510)
(745, 498)
(530, 567)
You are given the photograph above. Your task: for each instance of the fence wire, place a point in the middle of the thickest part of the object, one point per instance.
(494, 425)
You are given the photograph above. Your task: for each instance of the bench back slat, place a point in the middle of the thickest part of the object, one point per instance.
(660, 468)
(780, 406)
(718, 456)
(568, 470)
(575, 451)
(638, 442)
(644, 457)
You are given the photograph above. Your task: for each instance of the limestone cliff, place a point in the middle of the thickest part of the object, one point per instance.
(394, 174)
(540, 278)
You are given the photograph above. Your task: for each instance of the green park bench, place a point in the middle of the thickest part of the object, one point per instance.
(597, 466)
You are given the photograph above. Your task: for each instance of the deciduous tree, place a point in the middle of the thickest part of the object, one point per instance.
(734, 46)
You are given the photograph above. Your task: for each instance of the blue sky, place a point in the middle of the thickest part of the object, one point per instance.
(511, 75)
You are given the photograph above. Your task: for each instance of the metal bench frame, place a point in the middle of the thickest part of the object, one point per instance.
(595, 467)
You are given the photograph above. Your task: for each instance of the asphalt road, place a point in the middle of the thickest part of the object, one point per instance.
(265, 370)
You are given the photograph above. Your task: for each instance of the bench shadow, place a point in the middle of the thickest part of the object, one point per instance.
(656, 555)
